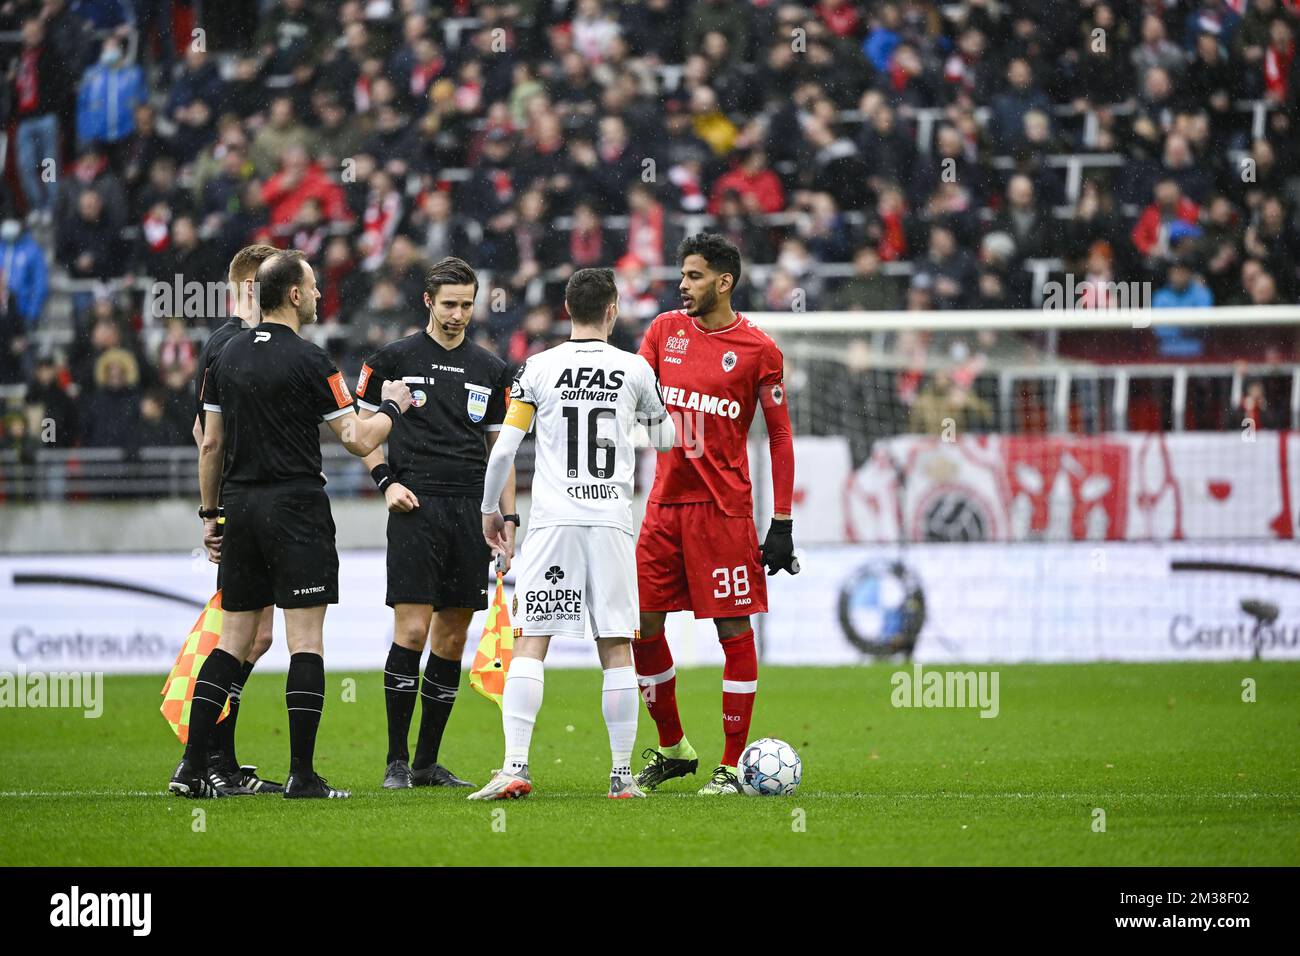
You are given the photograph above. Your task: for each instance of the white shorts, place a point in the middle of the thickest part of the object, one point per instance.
(569, 574)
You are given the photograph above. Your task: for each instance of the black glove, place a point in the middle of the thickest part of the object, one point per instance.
(778, 547)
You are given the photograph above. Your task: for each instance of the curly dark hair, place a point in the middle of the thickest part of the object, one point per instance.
(718, 251)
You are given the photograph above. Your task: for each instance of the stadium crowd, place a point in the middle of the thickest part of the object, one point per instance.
(535, 137)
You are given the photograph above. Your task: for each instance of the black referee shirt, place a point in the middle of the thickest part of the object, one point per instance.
(438, 447)
(217, 340)
(273, 389)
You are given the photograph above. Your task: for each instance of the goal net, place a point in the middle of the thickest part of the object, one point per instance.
(1046, 471)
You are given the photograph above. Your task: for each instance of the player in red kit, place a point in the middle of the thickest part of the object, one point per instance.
(698, 549)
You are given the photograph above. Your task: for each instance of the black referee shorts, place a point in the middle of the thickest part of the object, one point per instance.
(437, 555)
(277, 548)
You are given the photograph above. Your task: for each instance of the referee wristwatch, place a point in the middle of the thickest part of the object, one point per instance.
(513, 519)
(208, 514)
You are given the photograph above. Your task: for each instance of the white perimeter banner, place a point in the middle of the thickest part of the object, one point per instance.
(131, 613)
(956, 602)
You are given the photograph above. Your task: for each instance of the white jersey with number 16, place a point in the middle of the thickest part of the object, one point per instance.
(589, 396)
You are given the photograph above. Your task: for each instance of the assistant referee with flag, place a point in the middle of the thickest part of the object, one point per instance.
(264, 399)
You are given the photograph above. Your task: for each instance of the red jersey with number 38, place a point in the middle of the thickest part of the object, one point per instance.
(713, 381)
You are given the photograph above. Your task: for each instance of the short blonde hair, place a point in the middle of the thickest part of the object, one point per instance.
(247, 260)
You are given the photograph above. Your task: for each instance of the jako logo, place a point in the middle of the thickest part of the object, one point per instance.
(261, 337)
(103, 909)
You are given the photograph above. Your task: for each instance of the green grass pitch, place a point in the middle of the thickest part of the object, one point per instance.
(1184, 770)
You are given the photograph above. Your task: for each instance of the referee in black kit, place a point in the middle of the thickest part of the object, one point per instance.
(264, 398)
(433, 484)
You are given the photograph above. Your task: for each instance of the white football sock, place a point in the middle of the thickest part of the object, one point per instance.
(619, 703)
(520, 703)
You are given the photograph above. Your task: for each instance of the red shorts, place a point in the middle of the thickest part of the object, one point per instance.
(696, 557)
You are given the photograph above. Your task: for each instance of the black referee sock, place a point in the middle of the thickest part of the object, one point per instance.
(223, 736)
(304, 695)
(401, 684)
(437, 697)
(211, 688)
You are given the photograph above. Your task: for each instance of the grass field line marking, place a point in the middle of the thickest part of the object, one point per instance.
(927, 795)
(1086, 795)
(8, 794)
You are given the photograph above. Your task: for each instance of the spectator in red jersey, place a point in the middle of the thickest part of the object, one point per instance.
(1151, 233)
(646, 225)
(1098, 284)
(751, 177)
(383, 211)
(841, 18)
(890, 227)
(588, 242)
(298, 180)
(1279, 62)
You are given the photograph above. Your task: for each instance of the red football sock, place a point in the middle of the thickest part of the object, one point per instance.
(739, 684)
(657, 679)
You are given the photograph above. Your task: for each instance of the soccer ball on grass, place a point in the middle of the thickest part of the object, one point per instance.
(770, 768)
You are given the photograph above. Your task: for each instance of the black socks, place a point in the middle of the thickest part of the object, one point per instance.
(438, 696)
(211, 688)
(401, 684)
(304, 696)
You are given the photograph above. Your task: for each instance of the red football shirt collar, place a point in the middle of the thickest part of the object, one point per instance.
(726, 328)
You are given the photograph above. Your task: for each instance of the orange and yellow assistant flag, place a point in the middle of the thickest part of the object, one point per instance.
(495, 647)
(179, 688)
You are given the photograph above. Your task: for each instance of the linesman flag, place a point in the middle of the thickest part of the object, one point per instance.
(495, 647)
(179, 689)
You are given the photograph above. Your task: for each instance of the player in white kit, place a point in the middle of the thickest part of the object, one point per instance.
(578, 560)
